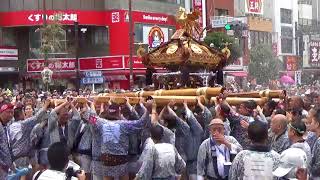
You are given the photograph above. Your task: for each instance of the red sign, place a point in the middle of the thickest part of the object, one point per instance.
(197, 4)
(58, 64)
(102, 18)
(31, 18)
(137, 63)
(101, 63)
(254, 6)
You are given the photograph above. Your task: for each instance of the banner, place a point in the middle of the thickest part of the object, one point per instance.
(254, 6)
(314, 53)
(58, 64)
(197, 4)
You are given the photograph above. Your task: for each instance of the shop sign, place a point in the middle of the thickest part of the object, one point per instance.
(8, 53)
(137, 63)
(101, 63)
(34, 18)
(57, 64)
(314, 53)
(254, 6)
(59, 16)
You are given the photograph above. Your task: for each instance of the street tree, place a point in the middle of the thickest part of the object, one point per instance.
(263, 66)
(51, 35)
(219, 39)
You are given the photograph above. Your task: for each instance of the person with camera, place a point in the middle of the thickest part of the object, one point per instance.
(58, 161)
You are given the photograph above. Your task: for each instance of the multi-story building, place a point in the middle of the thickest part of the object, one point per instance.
(103, 27)
(309, 38)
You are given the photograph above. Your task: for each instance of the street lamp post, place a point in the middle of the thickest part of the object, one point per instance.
(131, 44)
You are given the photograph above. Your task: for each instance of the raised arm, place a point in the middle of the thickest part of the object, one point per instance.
(133, 126)
(195, 126)
(38, 117)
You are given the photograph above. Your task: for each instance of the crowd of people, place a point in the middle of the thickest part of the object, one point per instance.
(42, 141)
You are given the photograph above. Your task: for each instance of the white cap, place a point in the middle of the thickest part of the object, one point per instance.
(291, 159)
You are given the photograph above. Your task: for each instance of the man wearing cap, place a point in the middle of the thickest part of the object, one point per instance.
(216, 153)
(279, 135)
(13, 143)
(293, 165)
(296, 130)
(258, 161)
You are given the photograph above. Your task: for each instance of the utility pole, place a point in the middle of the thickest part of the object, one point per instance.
(131, 44)
(44, 8)
(76, 38)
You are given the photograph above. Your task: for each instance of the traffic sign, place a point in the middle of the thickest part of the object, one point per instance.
(93, 73)
(92, 80)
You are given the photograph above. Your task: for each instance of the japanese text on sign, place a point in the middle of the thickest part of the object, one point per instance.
(51, 17)
(37, 65)
(314, 52)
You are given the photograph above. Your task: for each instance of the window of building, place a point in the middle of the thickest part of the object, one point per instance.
(100, 36)
(286, 16)
(286, 32)
(8, 37)
(221, 12)
(286, 45)
(170, 1)
(35, 44)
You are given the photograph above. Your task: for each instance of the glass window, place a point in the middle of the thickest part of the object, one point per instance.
(35, 44)
(100, 36)
(138, 32)
(286, 32)
(221, 12)
(170, 1)
(286, 45)
(286, 16)
(8, 37)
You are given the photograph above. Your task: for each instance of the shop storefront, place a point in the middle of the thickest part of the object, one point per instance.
(102, 34)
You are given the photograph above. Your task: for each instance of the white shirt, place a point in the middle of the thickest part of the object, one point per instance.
(52, 175)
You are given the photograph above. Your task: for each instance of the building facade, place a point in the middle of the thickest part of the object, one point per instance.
(103, 28)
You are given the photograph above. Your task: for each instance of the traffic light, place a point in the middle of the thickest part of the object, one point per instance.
(237, 27)
(227, 27)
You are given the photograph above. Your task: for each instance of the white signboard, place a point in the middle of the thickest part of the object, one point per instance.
(8, 54)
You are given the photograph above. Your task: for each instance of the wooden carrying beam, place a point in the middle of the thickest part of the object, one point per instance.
(234, 101)
(206, 91)
(259, 94)
(164, 100)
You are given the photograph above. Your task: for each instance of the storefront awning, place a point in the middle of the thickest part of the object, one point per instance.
(238, 74)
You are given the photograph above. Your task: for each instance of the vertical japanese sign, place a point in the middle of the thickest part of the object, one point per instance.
(297, 77)
(197, 5)
(314, 53)
(254, 6)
